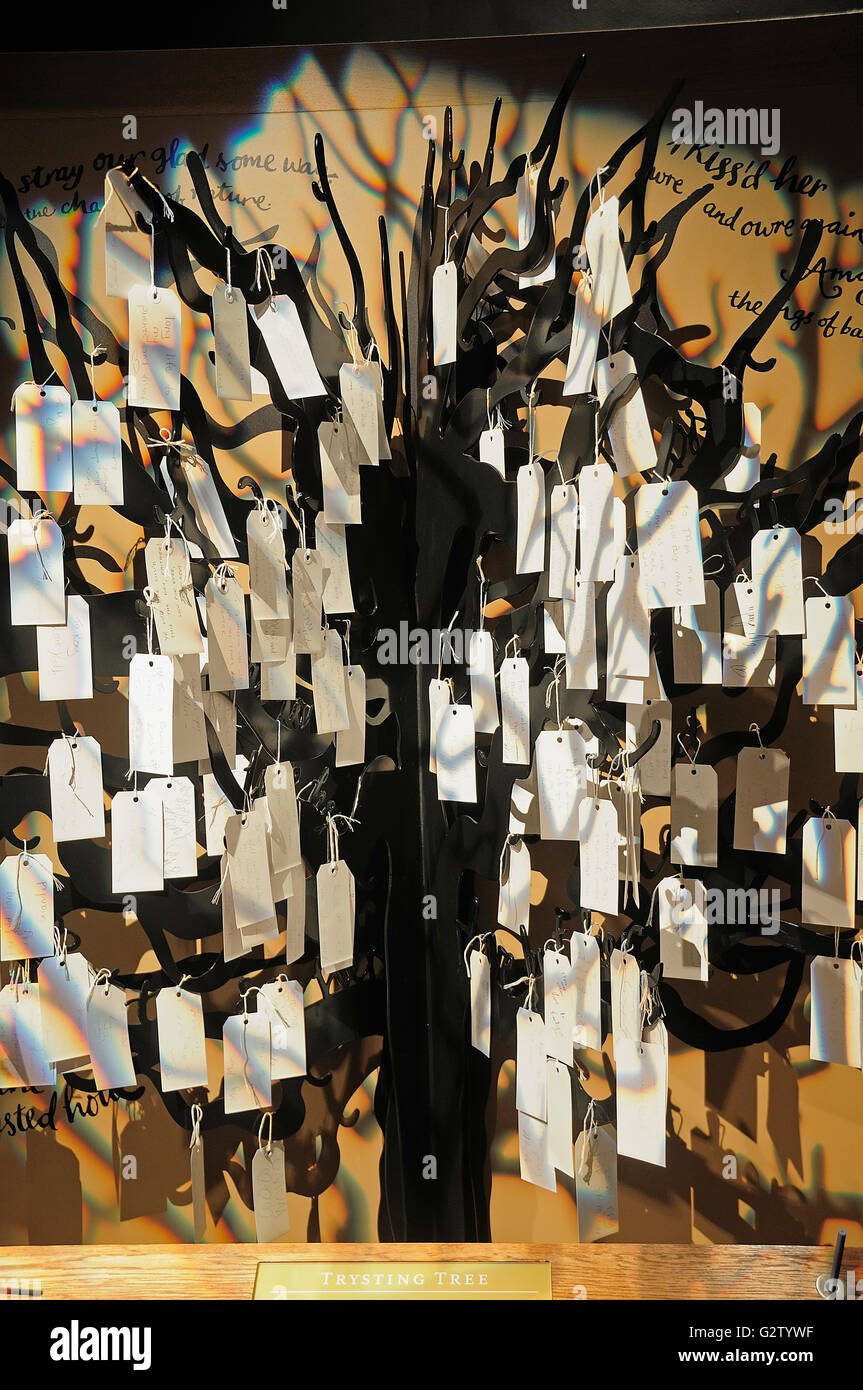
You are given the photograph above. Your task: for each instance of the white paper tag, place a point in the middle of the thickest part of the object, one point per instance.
(748, 661)
(284, 816)
(340, 475)
(64, 655)
(697, 640)
(328, 685)
(37, 583)
(642, 1097)
(455, 755)
(268, 585)
(286, 342)
(513, 909)
(530, 1072)
(558, 1005)
(75, 776)
(439, 698)
(332, 547)
(217, 807)
(669, 545)
(596, 1184)
(26, 907)
(683, 929)
(97, 454)
(151, 714)
(231, 340)
(136, 844)
(848, 733)
(246, 1052)
(357, 387)
(483, 692)
(629, 429)
(249, 869)
(586, 973)
(270, 1194)
(284, 999)
(598, 834)
(584, 342)
(654, 767)
(530, 535)
(563, 530)
(173, 597)
(561, 778)
(127, 248)
(625, 987)
(189, 729)
(351, 742)
(761, 800)
(479, 974)
(307, 572)
(579, 630)
(628, 623)
(777, 573)
(108, 1037)
(295, 912)
(208, 508)
(559, 1087)
(534, 1152)
(227, 643)
(694, 815)
(515, 709)
(64, 984)
(444, 314)
(155, 341)
(182, 1044)
(596, 523)
(177, 797)
(836, 1015)
(553, 638)
(827, 897)
(491, 450)
(43, 438)
(602, 244)
(828, 652)
(336, 910)
(21, 1037)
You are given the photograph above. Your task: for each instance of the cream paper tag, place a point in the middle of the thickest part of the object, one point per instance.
(208, 508)
(270, 1193)
(351, 742)
(598, 835)
(558, 1005)
(294, 885)
(279, 678)
(284, 999)
(151, 714)
(483, 692)
(561, 778)
(526, 196)
(331, 545)
(75, 779)
(642, 1096)
(530, 1074)
(217, 807)
(596, 523)
(249, 869)
(234, 943)
(97, 454)
(534, 1152)
(169, 577)
(827, 896)
(563, 529)
(284, 816)
(596, 1184)
(761, 800)
(694, 815)
(137, 851)
(629, 429)
(579, 630)
(683, 929)
(268, 584)
(11, 1065)
(439, 698)
(654, 767)
(455, 755)
(836, 1016)
(848, 733)
(64, 983)
(602, 244)
(697, 640)
(384, 451)
(29, 1056)
(64, 655)
(26, 907)
(628, 623)
(197, 1174)
(491, 450)
(182, 1044)
(286, 342)
(155, 342)
(748, 661)
(227, 643)
(177, 797)
(530, 531)
(307, 572)
(515, 709)
(625, 984)
(444, 314)
(328, 686)
(37, 582)
(559, 1088)
(829, 670)
(189, 729)
(336, 910)
(513, 904)
(340, 475)
(231, 341)
(777, 574)
(108, 1037)
(479, 975)
(358, 390)
(246, 1054)
(586, 979)
(669, 545)
(127, 248)
(584, 342)
(553, 638)
(43, 438)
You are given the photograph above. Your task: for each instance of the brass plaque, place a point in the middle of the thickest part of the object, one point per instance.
(376, 1279)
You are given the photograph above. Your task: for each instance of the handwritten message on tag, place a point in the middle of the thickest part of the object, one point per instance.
(155, 339)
